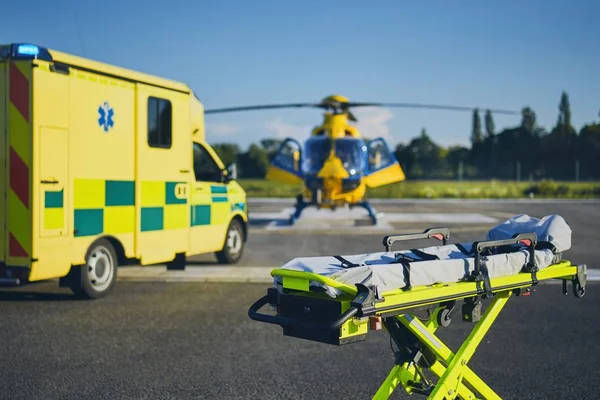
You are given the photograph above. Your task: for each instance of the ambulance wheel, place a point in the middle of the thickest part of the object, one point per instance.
(234, 244)
(97, 277)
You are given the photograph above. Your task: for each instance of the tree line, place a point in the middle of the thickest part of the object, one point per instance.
(523, 152)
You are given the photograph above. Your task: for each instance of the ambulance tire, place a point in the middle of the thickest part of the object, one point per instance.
(97, 277)
(234, 244)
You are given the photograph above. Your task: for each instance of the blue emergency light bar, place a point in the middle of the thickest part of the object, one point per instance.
(28, 50)
(25, 51)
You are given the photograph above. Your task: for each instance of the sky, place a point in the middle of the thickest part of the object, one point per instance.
(494, 54)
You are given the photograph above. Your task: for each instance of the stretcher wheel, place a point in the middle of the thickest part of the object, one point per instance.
(444, 318)
(578, 290)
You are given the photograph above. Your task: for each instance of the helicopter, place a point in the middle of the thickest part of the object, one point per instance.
(336, 163)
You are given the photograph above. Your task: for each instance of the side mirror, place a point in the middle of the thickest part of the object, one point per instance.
(232, 172)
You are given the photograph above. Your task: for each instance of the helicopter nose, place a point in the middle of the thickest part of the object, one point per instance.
(333, 168)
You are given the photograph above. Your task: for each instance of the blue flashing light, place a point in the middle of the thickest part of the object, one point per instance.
(28, 50)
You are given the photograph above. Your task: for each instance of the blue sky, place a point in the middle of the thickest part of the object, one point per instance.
(497, 54)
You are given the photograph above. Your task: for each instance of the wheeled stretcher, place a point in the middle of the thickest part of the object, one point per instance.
(411, 293)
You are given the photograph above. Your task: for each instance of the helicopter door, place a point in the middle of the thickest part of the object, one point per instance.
(383, 168)
(286, 165)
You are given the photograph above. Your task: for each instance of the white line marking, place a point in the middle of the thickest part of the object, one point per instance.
(197, 274)
(286, 200)
(593, 275)
(237, 274)
(314, 219)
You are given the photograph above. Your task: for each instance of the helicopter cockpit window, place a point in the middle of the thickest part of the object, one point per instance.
(316, 151)
(352, 153)
(285, 156)
(379, 155)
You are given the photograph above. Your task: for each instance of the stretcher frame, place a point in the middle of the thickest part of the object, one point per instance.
(418, 348)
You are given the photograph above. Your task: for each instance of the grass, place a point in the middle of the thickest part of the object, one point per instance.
(491, 189)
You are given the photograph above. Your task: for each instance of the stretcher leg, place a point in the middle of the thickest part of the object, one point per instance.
(455, 377)
(445, 356)
(448, 383)
(406, 376)
(399, 375)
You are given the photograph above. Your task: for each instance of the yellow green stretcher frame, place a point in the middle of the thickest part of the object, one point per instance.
(347, 318)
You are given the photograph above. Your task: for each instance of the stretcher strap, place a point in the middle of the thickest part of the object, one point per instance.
(464, 250)
(345, 263)
(405, 272)
(532, 268)
(486, 278)
(424, 256)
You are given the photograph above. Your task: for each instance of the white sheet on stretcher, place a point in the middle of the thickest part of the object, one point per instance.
(381, 270)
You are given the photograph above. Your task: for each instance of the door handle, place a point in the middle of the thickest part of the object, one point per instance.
(51, 181)
(199, 188)
(184, 171)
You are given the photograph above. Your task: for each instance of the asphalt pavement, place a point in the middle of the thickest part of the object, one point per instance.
(330, 233)
(156, 340)
(195, 341)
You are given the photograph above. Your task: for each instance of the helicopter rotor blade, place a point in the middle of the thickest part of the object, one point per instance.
(427, 106)
(347, 105)
(261, 107)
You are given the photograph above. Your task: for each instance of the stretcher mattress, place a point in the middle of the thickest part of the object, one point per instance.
(439, 264)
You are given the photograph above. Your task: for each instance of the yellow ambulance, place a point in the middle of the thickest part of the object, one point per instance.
(103, 166)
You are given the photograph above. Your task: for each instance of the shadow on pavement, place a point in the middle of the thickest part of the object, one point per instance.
(8, 296)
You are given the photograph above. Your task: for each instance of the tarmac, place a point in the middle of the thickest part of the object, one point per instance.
(273, 241)
(186, 334)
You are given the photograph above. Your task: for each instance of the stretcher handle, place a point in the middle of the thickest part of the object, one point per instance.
(442, 234)
(528, 239)
(282, 321)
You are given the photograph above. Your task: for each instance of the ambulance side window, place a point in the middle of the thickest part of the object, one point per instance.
(205, 168)
(160, 119)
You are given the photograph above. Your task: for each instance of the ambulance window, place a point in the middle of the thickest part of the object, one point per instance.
(160, 117)
(205, 168)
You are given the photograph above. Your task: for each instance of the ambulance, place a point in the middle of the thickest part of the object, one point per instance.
(103, 167)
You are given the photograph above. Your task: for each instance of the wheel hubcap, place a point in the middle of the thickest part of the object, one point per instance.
(234, 242)
(100, 268)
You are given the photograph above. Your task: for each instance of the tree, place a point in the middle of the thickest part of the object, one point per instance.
(254, 162)
(227, 152)
(476, 136)
(270, 145)
(564, 115)
(588, 148)
(424, 158)
(528, 120)
(489, 124)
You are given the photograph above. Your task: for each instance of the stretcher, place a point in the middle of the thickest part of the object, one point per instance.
(411, 293)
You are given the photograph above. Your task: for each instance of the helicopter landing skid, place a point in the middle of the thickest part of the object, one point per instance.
(367, 206)
(301, 205)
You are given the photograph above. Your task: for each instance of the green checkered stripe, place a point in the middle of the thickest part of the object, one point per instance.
(90, 221)
(152, 218)
(201, 213)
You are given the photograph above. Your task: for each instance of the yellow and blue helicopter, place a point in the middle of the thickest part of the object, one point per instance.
(336, 164)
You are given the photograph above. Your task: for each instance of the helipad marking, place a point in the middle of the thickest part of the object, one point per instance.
(222, 274)
(314, 219)
(225, 274)
(287, 200)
